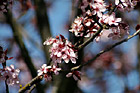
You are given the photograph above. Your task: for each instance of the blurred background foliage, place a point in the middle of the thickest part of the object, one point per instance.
(29, 23)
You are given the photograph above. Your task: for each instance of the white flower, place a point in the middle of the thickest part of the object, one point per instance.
(98, 9)
(110, 19)
(10, 75)
(126, 4)
(119, 31)
(61, 50)
(47, 71)
(76, 75)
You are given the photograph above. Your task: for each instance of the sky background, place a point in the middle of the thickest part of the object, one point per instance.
(58, 16)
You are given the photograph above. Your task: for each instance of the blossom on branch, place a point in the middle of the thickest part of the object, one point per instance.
(76, 75)
(110, 19)
(98, 7)
(61, 49)
(48, 71)
(126, 4)
(118, 32)
(86, 25)
(10, 74)
(3, 55)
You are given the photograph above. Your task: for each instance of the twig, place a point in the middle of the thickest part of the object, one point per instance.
(7, 88)
(112, 10)
(91, 38)
(31, 88)
(16, 28)
(35, 80)
(43, 24)
(106, 50)
(97, 33)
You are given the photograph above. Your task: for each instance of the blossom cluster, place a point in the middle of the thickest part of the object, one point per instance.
(97, 11)
(61, 49)
(8, 73)
(126, 4)
(5, 5)
(95, 14)
(48, 71)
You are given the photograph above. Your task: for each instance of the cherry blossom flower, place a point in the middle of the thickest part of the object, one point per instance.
(47, 71)
(61, 50)
(55, 70)
(44, 69)
(76, 75)
(110, 19)
(98, 7)
(126, 4)
(89, 27)
(119, 31)
(10, 74)
(77, 26)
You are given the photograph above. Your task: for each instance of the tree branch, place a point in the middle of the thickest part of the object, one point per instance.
(16, 28)
(43, 24)
(32, 88)
(7, 88)
(39, 78)
(35, 80)
(18, 38)
(91, 38)
(106, 50)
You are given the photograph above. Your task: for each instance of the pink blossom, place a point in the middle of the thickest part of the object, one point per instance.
(48, 71)
(44, 69)
(61, 49)
(110, 19)
(119, 31)
(47, 77)
(77, 26)
(126, 4)
(89, 27)
(76, 75)
(55, 70)
(98, 7)
(10, 75)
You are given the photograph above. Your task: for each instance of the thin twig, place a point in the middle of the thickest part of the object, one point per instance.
(7, 88)
(112, 10)
(97, 33)
(31, 88)
(16, 28)
(106, 50)
(91, 38)
(35, 80)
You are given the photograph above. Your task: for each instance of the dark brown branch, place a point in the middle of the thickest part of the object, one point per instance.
(18, 38)
(16, 28)
(43, 24)
(35, 80)
(106, 50)
(39, 78)
(7, 88)
(91, 38)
